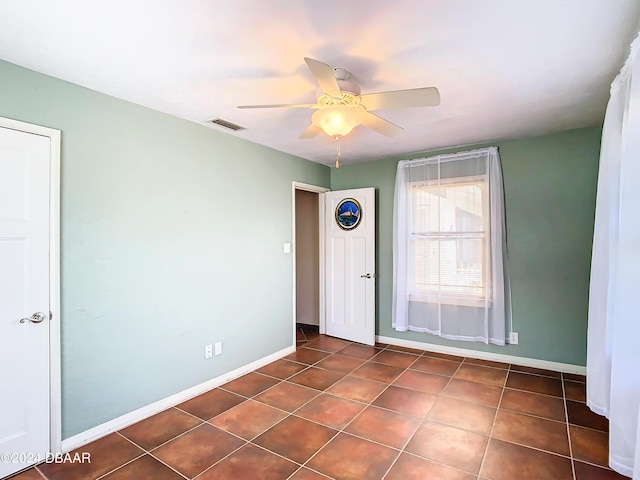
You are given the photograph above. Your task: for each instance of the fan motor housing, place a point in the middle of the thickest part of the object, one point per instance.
(349, 86)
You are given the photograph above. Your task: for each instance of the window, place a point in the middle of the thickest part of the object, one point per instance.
(450, 269)
(448, 240)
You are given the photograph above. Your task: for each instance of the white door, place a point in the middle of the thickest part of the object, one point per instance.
(24, 299)
(350, 264)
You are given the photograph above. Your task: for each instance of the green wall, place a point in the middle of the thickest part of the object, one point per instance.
(550, 185)
(172, 239)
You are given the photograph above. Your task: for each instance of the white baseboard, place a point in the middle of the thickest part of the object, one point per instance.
(496, 357)
(127, 419)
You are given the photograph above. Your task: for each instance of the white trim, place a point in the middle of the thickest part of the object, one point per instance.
(321, 249)
(321, 307)
(496, 357)
(55, 405)
(307, 187)
(127, 419)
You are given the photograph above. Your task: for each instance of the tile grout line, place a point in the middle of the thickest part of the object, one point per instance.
(290, 477)
(321, 448)
(535, 393)
(41, 474)
(188, 413)
(202, 422)
(533, 415)
(493, 424)
(220, 460)
(537, 449)
(471, 364)
(588, 428)
(566, 415)
(345, 374)
(167, 465)
(300, 465)
(452, 376)
(285, 360)
(303, 334)
(601, 467)
(537, 374)
(273, 406)
(392, 464)
(280, 380)
(319, 392)
(149, 452)
(144, 452)
(439, 462)
(410, 437)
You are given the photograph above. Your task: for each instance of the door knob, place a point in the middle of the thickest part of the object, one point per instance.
(368, 275)
(35, 318)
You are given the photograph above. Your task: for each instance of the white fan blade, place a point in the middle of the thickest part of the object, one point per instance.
(417, 97)
(281, 105)
(310, 132)
(325, 77)
(380, 125)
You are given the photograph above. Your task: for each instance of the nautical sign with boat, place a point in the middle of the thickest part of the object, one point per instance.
(348, 213)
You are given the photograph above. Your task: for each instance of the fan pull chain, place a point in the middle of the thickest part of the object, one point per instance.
(338, 152)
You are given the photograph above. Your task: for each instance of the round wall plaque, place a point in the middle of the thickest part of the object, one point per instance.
(348, 214)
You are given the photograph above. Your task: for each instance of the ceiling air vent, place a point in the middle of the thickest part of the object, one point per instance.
(227, 124)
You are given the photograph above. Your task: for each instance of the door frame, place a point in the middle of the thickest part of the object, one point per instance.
(321, 294)
(55, 410)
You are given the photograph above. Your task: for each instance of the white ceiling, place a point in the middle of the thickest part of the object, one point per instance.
(504, 68)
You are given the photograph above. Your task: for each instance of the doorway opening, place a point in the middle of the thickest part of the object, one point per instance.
(308, 260)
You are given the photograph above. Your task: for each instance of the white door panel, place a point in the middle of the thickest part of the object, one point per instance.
(350, 257)
(24, 290)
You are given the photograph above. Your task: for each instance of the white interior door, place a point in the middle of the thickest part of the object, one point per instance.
(350, 264)
(24, 299)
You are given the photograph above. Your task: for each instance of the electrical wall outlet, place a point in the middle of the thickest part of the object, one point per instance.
(218, 346)
(514, 338)
(208, 351)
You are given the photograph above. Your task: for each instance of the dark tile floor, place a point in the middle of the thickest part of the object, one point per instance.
(336, 409)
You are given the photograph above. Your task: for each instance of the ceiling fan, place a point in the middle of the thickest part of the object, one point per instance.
(341, 107)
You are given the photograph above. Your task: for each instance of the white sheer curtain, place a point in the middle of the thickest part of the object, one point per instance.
(450, 275)
(613, 345)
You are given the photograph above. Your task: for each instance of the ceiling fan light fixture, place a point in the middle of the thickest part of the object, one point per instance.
(336, 121)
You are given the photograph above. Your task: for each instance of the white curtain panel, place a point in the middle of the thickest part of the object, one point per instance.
(636, 470)
(450, 246)
(605, 251)
(613, 347)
